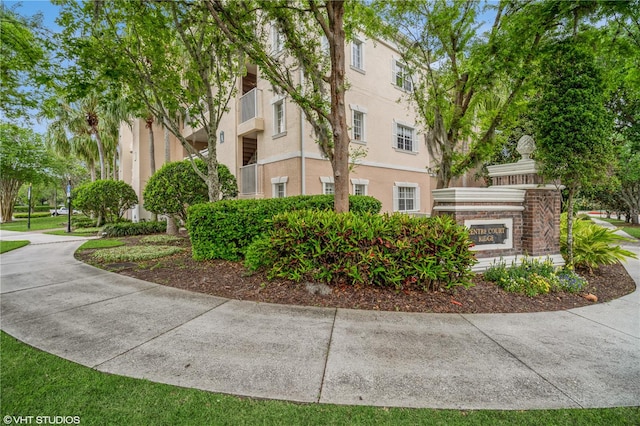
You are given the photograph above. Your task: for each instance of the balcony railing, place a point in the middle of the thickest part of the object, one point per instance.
(249, 179)
(249, 105)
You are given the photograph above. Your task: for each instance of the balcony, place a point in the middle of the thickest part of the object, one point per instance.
(251, 120)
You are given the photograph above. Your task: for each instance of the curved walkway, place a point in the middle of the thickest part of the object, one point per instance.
(586, 357)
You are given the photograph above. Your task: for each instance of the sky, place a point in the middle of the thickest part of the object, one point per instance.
(32, 7)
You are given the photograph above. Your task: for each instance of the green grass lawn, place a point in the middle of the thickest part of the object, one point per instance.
(78, 232)
(35, 383)
(101, 243)
(633, 230)
(37, 224)
(6, 246)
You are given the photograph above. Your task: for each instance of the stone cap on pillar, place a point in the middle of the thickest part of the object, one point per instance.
(526, 166)
(523, 174)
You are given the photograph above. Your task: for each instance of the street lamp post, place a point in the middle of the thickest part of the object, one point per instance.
(69, 206)
(29, 207)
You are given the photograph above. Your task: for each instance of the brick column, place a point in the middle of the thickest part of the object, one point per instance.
(541, 221)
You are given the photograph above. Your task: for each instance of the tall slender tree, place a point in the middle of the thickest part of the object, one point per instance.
(573, 128)
(319, 85)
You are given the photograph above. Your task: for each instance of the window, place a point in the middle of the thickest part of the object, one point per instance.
(279, 190)
(277, 40)
(328, 188)
(328, 185)
(404, 138)
(279, 186)
(406, 197)
(401, 76)
(279, 124)
(357, 54)
(360, 186)
(357, 127)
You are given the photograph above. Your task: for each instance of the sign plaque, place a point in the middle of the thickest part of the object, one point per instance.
(490, 234)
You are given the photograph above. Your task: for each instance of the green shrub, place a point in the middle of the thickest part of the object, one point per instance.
(82, 222)
(593, 245)
(570, 282)
(533, 277)
(108, 199)
(125, 229)
(134, 254)
(160, 239)
(224, 230)
(369, 249)
(34, 209)
(88, 231)
(176, 186)
(33, 215)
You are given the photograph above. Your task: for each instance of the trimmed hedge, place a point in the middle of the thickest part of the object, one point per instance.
(33, 215)
(34, 209)
(125, 229)
(224, 229)
(383, 250)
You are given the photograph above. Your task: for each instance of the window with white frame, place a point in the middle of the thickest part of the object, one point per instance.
(358, 124)
(360, 186)
(359, 189)
(357, 54)
(404, 137)
(279, 186)
(328, 185)
(277, 40)
(401, 76)
(406, 197)
(279, 117)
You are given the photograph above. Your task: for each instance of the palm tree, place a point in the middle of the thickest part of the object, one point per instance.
(80, 146)
(90, 121)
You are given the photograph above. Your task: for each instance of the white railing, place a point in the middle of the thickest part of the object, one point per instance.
(249, 179)
(249, 105)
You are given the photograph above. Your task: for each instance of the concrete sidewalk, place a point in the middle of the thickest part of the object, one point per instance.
(586, 357)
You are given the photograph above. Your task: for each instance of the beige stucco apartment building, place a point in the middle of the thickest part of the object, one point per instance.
(270, 148)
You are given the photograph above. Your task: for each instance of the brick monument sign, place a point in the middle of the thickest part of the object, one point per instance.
(518, 215)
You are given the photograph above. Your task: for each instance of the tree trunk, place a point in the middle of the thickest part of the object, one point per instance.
(172, 225)
(8, 194)
(152, 148)
(213, 181)
(167, 145)
(114, 168)
(152, 155)
(92, 171)
(340, 159)
(103, 170)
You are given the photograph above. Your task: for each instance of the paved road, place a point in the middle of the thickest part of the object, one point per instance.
(586, 357)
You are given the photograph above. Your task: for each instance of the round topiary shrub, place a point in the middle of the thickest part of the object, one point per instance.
(176, 186)
(106, 199)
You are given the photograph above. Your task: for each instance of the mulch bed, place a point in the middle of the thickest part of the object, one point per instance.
(232, 280)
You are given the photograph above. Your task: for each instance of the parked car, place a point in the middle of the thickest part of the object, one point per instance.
(62, 211)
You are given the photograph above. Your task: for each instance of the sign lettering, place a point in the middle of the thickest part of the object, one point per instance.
(488, 234)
